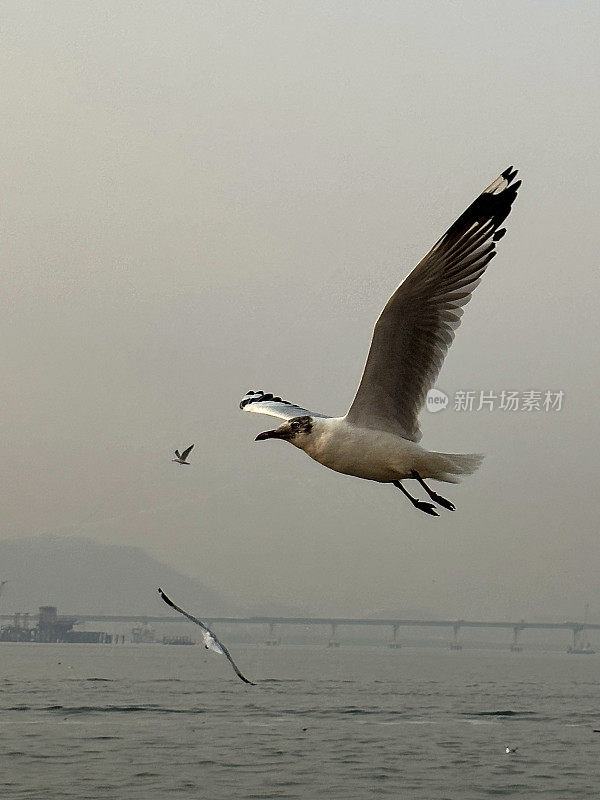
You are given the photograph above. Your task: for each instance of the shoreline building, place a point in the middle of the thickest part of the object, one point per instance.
(51, 627)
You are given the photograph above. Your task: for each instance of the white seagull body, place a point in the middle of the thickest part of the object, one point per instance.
(208, 637)
(378, 438)
(180, 458)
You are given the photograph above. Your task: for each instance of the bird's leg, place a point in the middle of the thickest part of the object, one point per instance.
(434, 496)
(428, 508)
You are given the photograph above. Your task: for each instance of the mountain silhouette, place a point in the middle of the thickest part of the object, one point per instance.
(82, 576)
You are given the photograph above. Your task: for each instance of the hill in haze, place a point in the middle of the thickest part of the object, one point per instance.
(82, 576)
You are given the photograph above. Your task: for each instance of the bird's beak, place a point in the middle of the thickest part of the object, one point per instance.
(276, 434)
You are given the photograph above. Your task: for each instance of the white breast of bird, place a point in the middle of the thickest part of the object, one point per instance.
(211, 644)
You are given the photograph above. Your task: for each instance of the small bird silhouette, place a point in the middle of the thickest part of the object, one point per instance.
(181, 457)
(509, 750)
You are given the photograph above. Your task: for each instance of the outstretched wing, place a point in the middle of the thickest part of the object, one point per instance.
(186, 453)
(177, 454)
(262, 403)
(416, 328)
(199, 622)
(217, 643)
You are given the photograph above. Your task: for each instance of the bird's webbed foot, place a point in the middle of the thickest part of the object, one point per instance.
(437, 498)
(422, 505)
(441, 501)
(428, 508)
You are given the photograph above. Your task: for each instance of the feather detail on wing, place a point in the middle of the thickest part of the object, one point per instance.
(265, 403)
(416, 328)
(186, 453)
(209, 637)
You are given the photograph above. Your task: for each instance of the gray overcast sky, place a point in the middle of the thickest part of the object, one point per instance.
(201, 198)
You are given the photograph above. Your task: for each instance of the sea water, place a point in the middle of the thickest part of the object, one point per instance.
(156, 722)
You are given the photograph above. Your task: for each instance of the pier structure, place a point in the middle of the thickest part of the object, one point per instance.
(333, 640)
(579, 646)
(272, 639)
(577, 629)
(455, 644)
(52, 627)
(49, 626)
(515, 647)
(395, 644)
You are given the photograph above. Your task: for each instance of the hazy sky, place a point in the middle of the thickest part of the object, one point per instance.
(205, 197)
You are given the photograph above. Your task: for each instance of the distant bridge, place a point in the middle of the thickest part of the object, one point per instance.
(394, 624)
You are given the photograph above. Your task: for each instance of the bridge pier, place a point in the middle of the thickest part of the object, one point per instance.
(455, 644)
(333, 640)
(579, 647)
(515, 647)
(394, 644)
(272, 640)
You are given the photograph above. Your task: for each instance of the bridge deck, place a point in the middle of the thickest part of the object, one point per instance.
(338, 621)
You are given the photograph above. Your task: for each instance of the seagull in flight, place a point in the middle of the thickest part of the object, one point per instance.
(181, 457)
(378, 439)
(210, 640)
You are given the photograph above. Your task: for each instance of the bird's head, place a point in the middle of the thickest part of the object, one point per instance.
(294, 430)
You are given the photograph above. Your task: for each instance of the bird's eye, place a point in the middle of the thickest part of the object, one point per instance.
(295, 426)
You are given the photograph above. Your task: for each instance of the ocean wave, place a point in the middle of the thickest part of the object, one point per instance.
(507, 713)
(108, 709)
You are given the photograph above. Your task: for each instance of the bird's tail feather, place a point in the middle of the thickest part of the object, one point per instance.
(452, 465)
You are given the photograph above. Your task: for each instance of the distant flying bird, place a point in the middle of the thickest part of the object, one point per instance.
(181, 457)
(509, 750)
(377, 439)
(210, 640)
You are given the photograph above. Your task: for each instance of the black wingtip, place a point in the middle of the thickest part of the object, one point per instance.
(248, 399)
(261, 397)
(257, 397)
(491, 208)
(167, 600)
